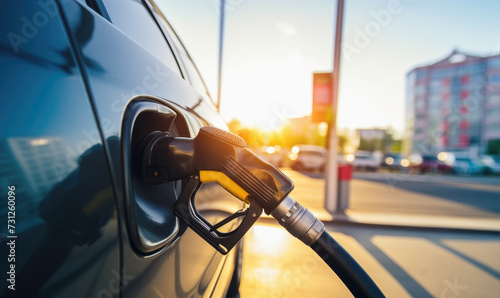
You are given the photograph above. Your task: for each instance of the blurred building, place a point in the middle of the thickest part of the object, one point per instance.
(374, 139)
(453, 105)
(372, 133)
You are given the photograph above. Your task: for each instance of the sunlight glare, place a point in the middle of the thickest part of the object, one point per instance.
(269, 239)
(405, 162)
(442, 156)
(349, 157)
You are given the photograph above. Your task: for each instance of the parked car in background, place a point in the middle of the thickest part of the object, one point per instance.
(308, 157)
(80, 92)
(468, 166)
(430, 164)
(363, 161)
(491, 163)
(394, 161)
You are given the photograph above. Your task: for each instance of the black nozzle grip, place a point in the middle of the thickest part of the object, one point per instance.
(219, 150)
(168, 158)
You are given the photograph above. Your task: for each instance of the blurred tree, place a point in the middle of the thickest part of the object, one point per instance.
(252, 136)
(397, 146)
(494, 147)
(383, 144)
(343, 142)
(291, 133)
(387, 141)
(234, 125)
(365, 144)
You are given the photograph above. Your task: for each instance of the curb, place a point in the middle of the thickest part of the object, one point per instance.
(448, 229)
(352, 223)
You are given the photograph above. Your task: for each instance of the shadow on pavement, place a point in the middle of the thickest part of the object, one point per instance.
(365, 237)
(405, 279)
(481, 266)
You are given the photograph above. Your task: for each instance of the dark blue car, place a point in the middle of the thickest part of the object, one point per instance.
(82, 83)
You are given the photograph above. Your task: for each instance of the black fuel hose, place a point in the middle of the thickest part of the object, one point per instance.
(347, 269)
(302, 223)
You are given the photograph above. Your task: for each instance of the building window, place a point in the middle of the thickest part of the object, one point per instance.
(420, 74)
(493, 127)
(494, 98)
(420, 104)
(493, 112)
(464, 94)
(494, 62)
(465, 79)
(494, 78)
(420, 89)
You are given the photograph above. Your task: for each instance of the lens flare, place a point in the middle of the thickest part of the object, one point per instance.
(442, 156)
(405, 162)
(349, 157)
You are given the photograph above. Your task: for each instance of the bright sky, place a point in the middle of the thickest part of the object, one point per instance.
(272, 48)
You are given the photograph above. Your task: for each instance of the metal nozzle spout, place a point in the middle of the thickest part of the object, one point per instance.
(298, 221)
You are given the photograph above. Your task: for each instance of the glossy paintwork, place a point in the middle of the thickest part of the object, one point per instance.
(58, 104)
(118, 72)
(50, 150)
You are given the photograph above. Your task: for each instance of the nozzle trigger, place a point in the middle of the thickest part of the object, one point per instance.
(221, 241)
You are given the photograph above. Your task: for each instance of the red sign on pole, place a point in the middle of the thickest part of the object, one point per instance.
(322, 97)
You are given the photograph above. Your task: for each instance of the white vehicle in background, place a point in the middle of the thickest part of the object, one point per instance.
(492, 165)
(364, 160)
(308, 157)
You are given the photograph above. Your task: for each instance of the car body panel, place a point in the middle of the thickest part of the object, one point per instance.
(468, 166)
(309, 157)
(393, 161)
(79, 74)
(65, 219)
(492, 166)
(431, 164)
(188, 267)
(365, 160)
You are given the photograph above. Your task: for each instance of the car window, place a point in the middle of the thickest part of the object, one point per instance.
(134, 19)
(192, 72)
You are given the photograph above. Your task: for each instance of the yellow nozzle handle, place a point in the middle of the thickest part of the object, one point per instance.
(226, 182)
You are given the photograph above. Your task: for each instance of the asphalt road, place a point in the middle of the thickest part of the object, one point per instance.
(404, 263)
(429, 194)
(406, 193)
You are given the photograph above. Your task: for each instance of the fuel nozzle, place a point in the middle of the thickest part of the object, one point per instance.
(169, 158)
(214, 155)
